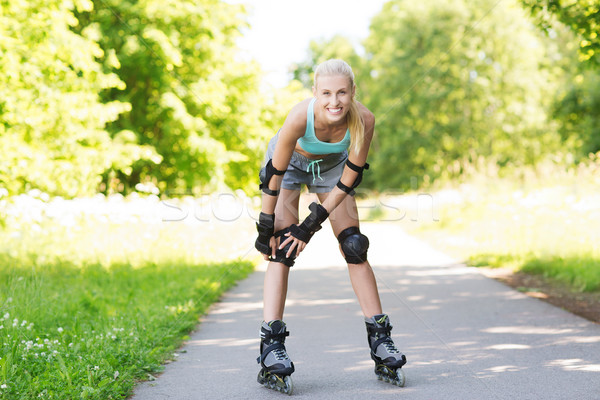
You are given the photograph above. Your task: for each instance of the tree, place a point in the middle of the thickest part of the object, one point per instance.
(578, 113)
(52, 119)
(451, 83)
(577, 106)
(191, 99)
(582, 16)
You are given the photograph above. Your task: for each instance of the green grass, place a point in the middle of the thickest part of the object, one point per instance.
(87, 309)
(543, 222)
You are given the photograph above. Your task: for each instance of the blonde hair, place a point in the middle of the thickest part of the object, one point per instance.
(356, 124)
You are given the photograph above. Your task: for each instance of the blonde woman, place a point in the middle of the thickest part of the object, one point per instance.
(322, 144)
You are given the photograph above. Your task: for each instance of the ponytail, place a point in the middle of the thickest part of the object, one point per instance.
(356, 125)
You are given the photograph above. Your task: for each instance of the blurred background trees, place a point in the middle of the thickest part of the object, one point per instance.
(100, 96)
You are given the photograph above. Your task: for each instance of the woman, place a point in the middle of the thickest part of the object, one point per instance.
(323, 144)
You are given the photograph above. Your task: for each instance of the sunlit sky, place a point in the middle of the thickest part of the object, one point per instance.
(282, 29)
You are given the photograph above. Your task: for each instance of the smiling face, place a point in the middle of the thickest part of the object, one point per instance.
(334, 95)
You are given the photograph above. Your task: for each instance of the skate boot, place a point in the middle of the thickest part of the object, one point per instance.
(276, 365)
(388, 360)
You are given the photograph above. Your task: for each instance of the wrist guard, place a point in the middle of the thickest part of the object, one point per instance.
(264, 226)
(312, 223)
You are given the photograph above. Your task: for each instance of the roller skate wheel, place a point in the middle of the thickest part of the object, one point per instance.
(276, 382)
(390, 376)
(261, 378)
(400, 378)
(289, 385)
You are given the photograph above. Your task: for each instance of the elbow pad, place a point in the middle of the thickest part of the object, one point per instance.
(357, 181)
(269, 171)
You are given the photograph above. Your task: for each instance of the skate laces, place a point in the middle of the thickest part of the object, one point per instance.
(280, 354)
(386, 340)
(390, 346)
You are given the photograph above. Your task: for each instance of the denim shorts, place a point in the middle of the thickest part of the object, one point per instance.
(319, 175)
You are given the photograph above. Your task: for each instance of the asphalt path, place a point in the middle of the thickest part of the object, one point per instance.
(465, 336)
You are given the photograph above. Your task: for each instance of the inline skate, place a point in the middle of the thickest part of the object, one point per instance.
(274, 360)
(388, 360)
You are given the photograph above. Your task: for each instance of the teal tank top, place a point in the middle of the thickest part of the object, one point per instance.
(311, 144)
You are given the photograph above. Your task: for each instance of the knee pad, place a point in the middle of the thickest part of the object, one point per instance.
(354, 245)
(280, 253)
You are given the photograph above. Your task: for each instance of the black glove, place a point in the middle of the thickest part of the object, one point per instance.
(264, 226)
(312, 223)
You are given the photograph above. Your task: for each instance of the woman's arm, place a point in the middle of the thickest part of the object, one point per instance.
(349, 176)
(293, 128)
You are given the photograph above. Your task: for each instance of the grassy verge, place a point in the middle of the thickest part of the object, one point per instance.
(543, 222)
(92, 301)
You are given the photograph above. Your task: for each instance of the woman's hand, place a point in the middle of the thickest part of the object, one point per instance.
(273, 245)
(296, 244)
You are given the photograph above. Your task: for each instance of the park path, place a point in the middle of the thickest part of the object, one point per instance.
(465, 336)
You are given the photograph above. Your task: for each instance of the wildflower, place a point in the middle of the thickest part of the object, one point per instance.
(60, 330)
(4, 386)
(1, 326)
(116, 375)
(6, 316)
(96, 368)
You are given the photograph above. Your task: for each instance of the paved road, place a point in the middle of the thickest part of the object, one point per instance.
(465, 336)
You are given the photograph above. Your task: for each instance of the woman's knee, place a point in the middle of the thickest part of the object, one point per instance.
(354, 245)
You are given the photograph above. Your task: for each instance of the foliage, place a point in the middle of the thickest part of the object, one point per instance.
(453, 82)
(578, 113)
(577, 102)
(190, 98)
(52, 120)
(582, 16)
(103, 95)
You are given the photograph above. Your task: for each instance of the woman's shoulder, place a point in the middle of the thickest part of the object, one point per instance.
(299, 110)
(365, 112)
(367, 116)
(296, 118)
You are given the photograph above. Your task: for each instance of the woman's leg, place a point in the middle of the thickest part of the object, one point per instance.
(361, 275)
(276, 277)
